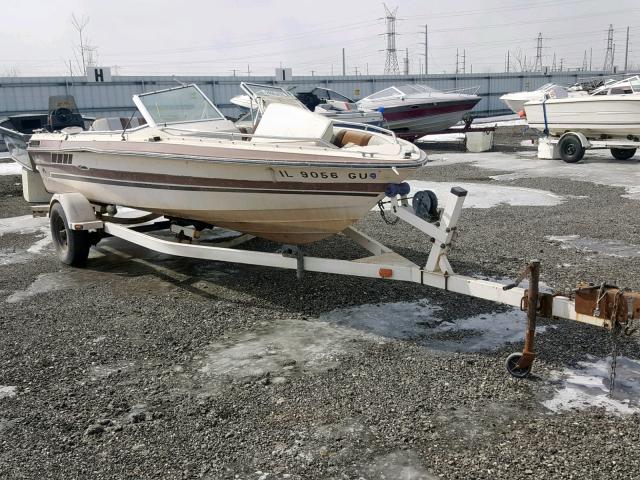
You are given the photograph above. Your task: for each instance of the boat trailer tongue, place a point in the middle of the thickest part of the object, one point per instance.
(604, 305)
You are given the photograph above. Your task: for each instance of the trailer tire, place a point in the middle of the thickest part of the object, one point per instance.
(623, 153)
(512, 366)
(72, 246)
(571, 149)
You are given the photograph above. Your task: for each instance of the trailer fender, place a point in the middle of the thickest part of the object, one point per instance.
(79, 212)
(583, 140)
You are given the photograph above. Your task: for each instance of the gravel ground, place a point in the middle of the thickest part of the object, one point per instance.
(145, 366)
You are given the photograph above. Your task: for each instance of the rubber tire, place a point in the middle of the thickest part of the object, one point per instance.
(72, 246)
(623, 153)
(511, 364)
(571, 149)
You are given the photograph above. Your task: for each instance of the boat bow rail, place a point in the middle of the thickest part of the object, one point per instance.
(603, 306)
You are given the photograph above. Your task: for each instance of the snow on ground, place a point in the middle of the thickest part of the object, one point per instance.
(7, 391)
(11, 168)
(23, 224)
(420, 320)
(597, 167)
(588, 386)
(611, 248)
(486, 195)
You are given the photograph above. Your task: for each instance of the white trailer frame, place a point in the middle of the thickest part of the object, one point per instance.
(384, 263)
(548, 146)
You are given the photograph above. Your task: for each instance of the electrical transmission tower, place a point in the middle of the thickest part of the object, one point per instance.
(584, 62)
(391, 63)
(608, 56)
(538, 65)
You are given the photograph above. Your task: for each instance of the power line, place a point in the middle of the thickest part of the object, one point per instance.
(391, 62)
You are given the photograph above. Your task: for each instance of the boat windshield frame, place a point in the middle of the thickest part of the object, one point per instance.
(261, 97)
(632, 82)
(154, 122)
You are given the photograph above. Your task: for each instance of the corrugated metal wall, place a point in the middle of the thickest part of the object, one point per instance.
(27, 95)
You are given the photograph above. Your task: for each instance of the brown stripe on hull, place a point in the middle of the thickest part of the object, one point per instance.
(160, 180)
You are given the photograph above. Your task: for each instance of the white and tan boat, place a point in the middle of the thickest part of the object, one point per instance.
(612, 111)
(295, 179)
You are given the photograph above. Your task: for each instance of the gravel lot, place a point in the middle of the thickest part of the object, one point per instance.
(146, 366)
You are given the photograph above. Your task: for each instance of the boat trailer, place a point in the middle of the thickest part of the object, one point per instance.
(77, 224)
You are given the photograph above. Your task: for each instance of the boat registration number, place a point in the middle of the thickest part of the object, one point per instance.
(306, 174)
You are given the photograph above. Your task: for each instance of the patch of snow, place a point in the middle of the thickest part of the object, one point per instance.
(420, 320)
(23, 224)
(443, 138)
(485, 195)
(400, 465)
(280, 349)
(7, 391)
(611, 248)
(11, 168)
(597, 167)
(588, 386)
(40, 245)
(392, 320)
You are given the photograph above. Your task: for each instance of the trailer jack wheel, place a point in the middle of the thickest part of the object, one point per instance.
(512, 366)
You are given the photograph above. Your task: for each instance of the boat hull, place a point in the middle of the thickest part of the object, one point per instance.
(426, 117)
(594, 116)
(287, 204)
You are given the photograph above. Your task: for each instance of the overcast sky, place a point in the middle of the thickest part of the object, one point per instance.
(213, 37)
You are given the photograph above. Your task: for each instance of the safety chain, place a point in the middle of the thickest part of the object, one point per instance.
(384, 216)
(616, 328)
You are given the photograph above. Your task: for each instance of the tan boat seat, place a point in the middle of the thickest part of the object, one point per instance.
(346, 137)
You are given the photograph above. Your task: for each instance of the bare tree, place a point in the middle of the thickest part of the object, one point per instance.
(11, 72)
(88, 53)
(518, 62)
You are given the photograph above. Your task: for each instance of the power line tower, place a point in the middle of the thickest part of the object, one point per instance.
(538, 65)
(608, 56)
(553, 65)
(391, 63)
(584, 62)
(406, 62)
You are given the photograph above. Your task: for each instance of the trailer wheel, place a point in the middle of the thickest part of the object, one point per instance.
(623, 153)
(571, 149)
(72, 246)
(512, 366)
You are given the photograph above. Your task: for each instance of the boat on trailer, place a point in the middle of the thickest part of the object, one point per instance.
(419, 108)
(295, 178)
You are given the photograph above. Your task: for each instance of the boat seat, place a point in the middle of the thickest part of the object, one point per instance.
(346, 137)
(112, 124)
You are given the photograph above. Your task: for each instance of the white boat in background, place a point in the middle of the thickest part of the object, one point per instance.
(515, 101)
(611, 111)
(296, 178)
(419, 108)
(336, 107)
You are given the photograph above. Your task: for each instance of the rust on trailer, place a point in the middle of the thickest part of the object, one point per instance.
(600, 302)
(528, 353)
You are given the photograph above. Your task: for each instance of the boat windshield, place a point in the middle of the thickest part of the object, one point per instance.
(401, 91)
(263, 95)
(257, 90)
(177, 105)
(546, 86)
(624, 86)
